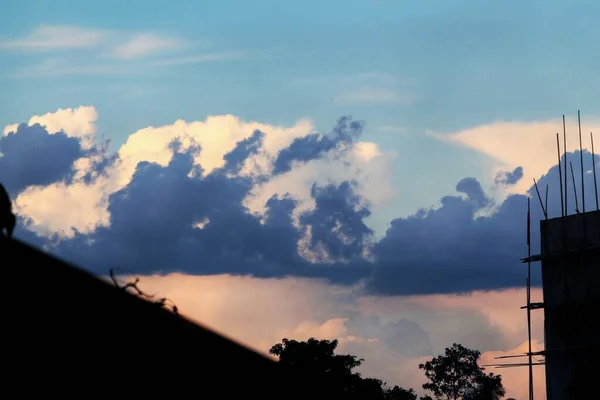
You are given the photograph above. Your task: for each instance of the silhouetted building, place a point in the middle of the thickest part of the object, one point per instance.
(68, 332)
(570, 256)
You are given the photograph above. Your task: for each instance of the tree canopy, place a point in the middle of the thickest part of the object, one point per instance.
(455, 375)
(318, 357)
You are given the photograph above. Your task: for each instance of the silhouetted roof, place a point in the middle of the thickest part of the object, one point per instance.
(70, 329)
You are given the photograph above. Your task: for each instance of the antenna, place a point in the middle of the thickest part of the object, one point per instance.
(581, 160)
(560, 181)
(540, 199)
(594, 170)
(574, 189)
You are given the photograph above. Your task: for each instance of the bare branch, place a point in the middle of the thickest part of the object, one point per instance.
(162, 302)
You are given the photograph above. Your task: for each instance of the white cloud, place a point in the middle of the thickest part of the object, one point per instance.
(531, 145)
(75, 122)
(217, 135)
(302, 308)
(52, 37)
(75, 66)
(144, 45)
(84, 206)
(121, 46)
(58, 207)
(10, 128)
(364, 162)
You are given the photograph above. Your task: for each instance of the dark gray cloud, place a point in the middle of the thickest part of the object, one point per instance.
(406, 337)
(508, 178)
(33, 156)
(450, 246)
(30, 156)
(403, 337)
(337, 222)
(152, 225)
(245, 148)
(409, 338)
(178, 218)
(313, 146)
(101, 159)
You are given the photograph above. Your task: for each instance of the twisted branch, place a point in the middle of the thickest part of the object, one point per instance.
(161, 302)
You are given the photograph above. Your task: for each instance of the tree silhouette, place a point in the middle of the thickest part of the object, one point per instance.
(456, 375)
(318, 357)
(398, 393)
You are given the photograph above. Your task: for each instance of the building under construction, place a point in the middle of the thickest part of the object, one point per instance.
(570, 268)
(570, 260)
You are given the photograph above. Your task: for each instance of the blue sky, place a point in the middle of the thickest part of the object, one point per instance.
(403, 67)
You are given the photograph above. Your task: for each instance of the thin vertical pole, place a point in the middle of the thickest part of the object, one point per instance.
(581, 161)
(560, 181)
(546, 202)
(574, 189)
(529, 297)
(565, 161)
(540, 199)
(594, 170)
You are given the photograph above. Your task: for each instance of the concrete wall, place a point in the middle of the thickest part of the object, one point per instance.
(571, 289)
(572, 232)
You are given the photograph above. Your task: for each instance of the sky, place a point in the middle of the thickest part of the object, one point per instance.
(376, 156)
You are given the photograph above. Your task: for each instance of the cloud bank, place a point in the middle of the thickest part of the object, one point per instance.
(244, 198)
(218, 211)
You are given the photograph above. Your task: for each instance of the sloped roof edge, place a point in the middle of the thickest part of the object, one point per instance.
(67, 325)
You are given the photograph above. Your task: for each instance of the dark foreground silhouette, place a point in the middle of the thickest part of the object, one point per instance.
(8, 220)
(68, 332)
(450, 376)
